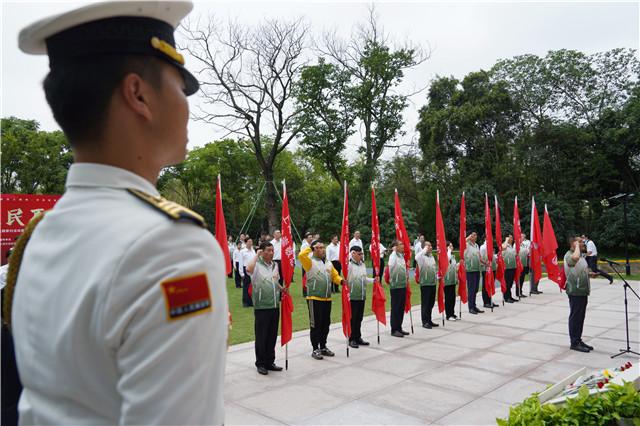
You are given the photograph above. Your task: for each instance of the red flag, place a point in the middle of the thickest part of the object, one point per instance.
(288, 265)
(489, 283)
(443, 260)
(549, 249)
(344, 261)
(378, 300)
(401, 235)
(462, 240)
(517, 240)
(563, 279)
(500, 261)
(221, 229)
(536, 244)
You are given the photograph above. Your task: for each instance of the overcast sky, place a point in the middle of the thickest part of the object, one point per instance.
(464, 37)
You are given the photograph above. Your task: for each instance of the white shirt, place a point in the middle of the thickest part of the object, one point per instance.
(236, 255)
(3, 275)
(277, 249)
(245, 257)
(333, 252)
(417, 247)
(94, 338)
(591, 248)
(383, 250)
(525, 245)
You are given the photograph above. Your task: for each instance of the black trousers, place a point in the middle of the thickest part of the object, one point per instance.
(336, 264)
(381, 276)
(319, 320)
(357, 311)
(398, 296)
(525, 271)
(266, 329)
(246, 282)
(509, 275)
(450, 300)
(473, 281)
(427, 300)
(592, 261)
(236, 276)
(279, 263)
(486, 299)
(304, 289)
(11, 385)
(577, 311)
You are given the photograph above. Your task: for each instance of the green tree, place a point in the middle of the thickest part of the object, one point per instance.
(33, 161)
(326, 114)
(377, 70)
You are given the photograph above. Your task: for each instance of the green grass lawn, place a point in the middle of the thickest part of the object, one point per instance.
(242, 330)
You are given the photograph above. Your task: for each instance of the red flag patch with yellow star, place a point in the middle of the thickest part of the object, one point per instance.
(186, 296)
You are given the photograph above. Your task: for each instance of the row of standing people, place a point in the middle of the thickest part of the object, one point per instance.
(323, 273)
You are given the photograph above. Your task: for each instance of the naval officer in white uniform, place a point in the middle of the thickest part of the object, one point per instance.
(120, 311)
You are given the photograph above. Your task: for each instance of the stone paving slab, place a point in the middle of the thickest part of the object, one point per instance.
(362, 413)
(467, 372)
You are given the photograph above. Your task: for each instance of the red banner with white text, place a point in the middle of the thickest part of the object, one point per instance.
(16, 212)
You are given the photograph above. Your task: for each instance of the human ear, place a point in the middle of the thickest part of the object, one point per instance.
(136, 95)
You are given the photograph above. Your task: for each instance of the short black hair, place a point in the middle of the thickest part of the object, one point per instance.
(357, 249)
(314, 243)
(79, 92)
(263, 245)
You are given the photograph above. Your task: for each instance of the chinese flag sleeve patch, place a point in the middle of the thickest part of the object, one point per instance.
(186, 296)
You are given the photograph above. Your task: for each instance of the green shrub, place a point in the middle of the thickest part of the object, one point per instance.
(621, 401)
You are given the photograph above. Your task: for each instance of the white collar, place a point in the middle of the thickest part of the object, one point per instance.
(101, 175)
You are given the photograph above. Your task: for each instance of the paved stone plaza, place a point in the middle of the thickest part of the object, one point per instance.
(468, 372)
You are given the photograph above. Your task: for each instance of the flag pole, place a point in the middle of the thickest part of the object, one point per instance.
(378, 324)
(342, 244)
(460, 307)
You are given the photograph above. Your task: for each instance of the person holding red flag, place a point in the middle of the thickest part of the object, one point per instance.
(401, 237)
(488, 258)
(443, 261)
(535, 254)
(450, 283)
(398, 276)
(287, 265)
(517, 241)
(509, 255)
(344, 257)
(462, 240)
(488, 276)
(320, 275)
(427, 280)
(500, 267)
(378, 299)
(266, 306)
(525, 249)
(358, 281)
(474, 267)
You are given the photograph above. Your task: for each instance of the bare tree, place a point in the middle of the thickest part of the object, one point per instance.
(246, 77)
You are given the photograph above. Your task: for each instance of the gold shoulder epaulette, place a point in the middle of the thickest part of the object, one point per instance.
(174, 210)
